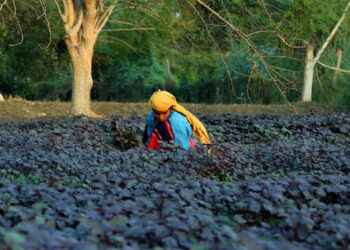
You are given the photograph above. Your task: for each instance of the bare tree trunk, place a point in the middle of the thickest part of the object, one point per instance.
(82, 82)
(339, 56)
(308, 74)
(310, 63)
(83, 20)
(1, 98)
(168, 67)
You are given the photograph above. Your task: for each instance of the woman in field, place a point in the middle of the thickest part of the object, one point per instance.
(169, 121)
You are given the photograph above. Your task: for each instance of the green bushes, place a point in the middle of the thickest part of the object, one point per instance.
(185, 50)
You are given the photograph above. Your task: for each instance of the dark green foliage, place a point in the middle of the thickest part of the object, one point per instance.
(31, 66)
(270, 182)
(134, 78)
(182, 48)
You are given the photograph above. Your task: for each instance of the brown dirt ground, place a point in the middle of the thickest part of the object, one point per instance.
(19, 109)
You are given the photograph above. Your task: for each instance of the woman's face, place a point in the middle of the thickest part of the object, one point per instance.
(162, 116)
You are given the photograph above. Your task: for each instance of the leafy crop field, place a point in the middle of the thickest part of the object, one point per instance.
(269, 183)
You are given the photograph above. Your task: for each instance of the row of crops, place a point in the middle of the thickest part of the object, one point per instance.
(269, 183)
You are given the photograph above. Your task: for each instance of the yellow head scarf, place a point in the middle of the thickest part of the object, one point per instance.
(163, 100)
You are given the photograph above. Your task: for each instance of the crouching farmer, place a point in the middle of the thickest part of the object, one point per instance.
(169, 121)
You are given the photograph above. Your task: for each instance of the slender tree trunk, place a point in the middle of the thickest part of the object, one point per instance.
(311, 60)
(339, 56)
(1, 98)
(168, 67)
(308, 74)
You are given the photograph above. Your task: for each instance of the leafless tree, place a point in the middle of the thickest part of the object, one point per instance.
(310, 60)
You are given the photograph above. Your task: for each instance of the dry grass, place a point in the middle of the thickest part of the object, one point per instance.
(20, 109)
(108, 108)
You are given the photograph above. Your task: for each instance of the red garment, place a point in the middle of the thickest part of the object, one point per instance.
(156, 137)
(192, 143)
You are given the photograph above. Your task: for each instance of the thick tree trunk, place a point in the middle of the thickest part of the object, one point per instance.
(82, 82)
(308, 74)
(83, 20)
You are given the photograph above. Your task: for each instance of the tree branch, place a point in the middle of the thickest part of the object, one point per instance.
(3, 4)
(14, 12)
(70, 11)
(47, 22)
(109, 38)
(129, 29)
(63, 15)
(329, 38)
(218, 49)
(14, 9)
(334, 68)
(79, 21)
(100, 6)
(21, 31)
(253, 47)
(104, 18)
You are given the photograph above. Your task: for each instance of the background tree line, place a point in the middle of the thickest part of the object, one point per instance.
(183, 47)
